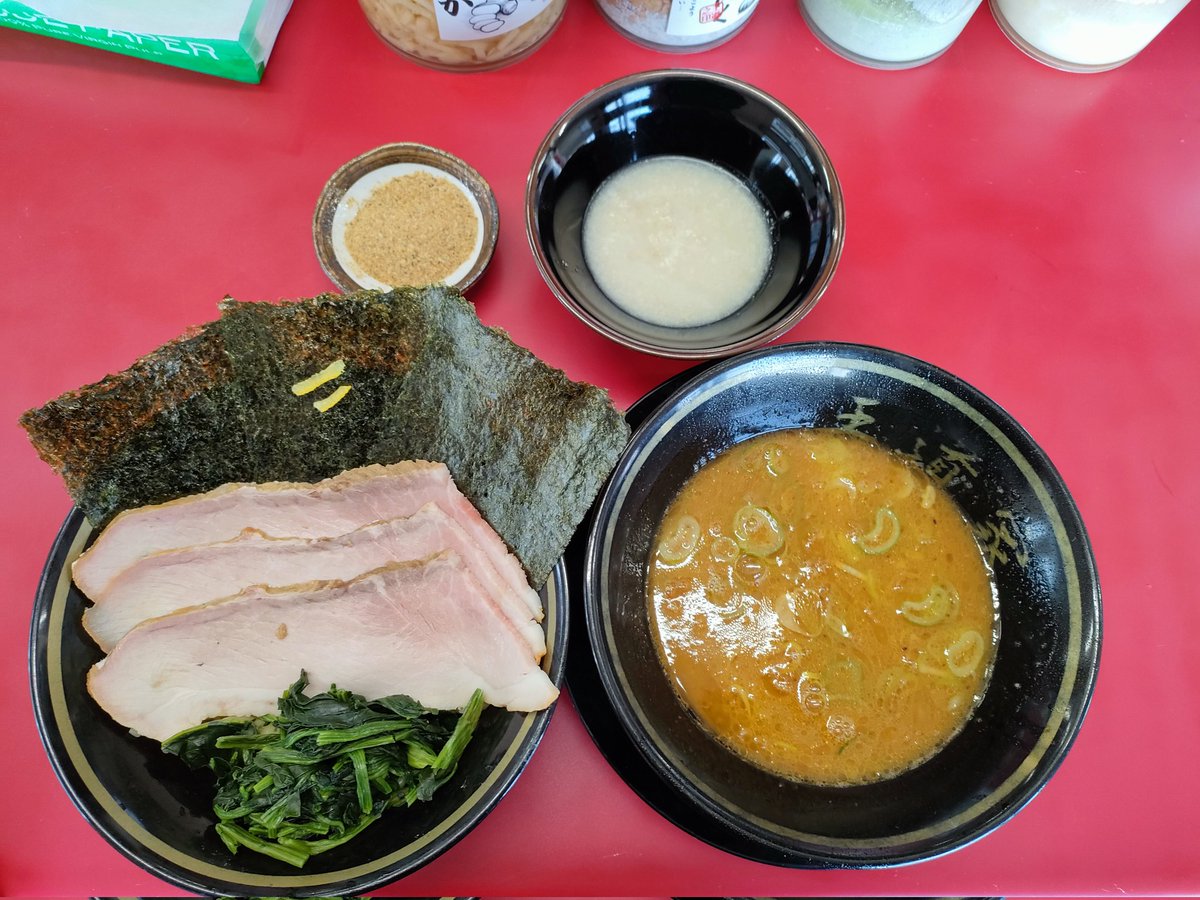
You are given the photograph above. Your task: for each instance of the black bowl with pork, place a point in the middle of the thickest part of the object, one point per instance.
(158, 813)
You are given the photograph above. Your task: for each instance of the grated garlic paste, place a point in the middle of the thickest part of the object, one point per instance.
(676, 241)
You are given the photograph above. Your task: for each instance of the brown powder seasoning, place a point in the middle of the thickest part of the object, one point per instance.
(414, 229)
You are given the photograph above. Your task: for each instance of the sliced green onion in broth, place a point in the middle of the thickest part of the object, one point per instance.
(678, 546)
(883, 536)
(937, 606)
(756, 531)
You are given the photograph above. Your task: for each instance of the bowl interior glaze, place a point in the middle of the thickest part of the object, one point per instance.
(1027, 525)
(708, 117)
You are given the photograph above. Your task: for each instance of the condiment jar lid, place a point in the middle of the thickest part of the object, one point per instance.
(352, 184)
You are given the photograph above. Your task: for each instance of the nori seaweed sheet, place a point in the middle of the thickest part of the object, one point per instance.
(169, 425)
(273, 346)
(529, 447)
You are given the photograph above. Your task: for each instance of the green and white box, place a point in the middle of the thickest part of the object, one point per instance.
(229, 38)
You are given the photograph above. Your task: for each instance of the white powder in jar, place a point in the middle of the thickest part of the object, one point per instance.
(896, 32)
(1089, 32)
(676, 241)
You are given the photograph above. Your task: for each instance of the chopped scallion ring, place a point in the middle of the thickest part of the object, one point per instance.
(883, 536)
(723, 549)
(677, 546)
(965, 654)
(756, 531)
(936, 607)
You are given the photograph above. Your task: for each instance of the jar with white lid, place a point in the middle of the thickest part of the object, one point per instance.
(1084, 35)
(888, 34)
(678, 26)
(464, 35)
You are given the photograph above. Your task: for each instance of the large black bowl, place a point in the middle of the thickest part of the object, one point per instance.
(159, 814)
(709, 117)
(1027, 524)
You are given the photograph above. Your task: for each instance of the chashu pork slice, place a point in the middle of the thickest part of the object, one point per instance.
(425, 629)
(166, 582)
(328, 508)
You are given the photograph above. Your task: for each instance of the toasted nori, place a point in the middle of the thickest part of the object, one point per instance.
(273, 346)
(169, 425)
(529, 447)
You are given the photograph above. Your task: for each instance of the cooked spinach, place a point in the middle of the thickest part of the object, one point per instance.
(312, 777)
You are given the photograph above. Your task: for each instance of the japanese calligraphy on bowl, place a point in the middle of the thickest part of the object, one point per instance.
(1030, 532)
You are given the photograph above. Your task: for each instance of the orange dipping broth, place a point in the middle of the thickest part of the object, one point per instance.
(822, 606)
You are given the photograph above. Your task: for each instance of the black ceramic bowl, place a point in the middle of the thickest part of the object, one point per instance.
(709, 117)
(1028, 526)
(159, 814)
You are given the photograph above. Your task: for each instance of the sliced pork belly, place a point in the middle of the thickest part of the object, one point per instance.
(165, 582)
(425, 629)
(328, 508)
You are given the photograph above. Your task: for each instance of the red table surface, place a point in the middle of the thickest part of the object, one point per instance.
(1035, 232)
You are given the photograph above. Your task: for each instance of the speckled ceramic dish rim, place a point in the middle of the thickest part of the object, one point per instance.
(389, 154)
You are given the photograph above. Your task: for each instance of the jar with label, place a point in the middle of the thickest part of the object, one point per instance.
(1084, 35)
(888, 34)
(458, 35)
(680, 26)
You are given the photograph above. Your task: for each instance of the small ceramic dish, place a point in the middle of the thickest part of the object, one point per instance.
(715, 119)
(159, 814)
(1029, 529)
(350, 186)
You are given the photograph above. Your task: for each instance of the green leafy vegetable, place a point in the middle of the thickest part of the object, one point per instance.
(315, 775)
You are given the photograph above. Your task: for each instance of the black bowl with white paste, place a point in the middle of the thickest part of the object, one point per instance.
(713, 119)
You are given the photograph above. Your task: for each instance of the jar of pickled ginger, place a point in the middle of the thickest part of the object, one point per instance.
(461, 35)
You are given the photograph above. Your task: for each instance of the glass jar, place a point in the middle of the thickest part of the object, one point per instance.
(679, 26)
(457, 35)
(888, 34)
(1084, 35)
